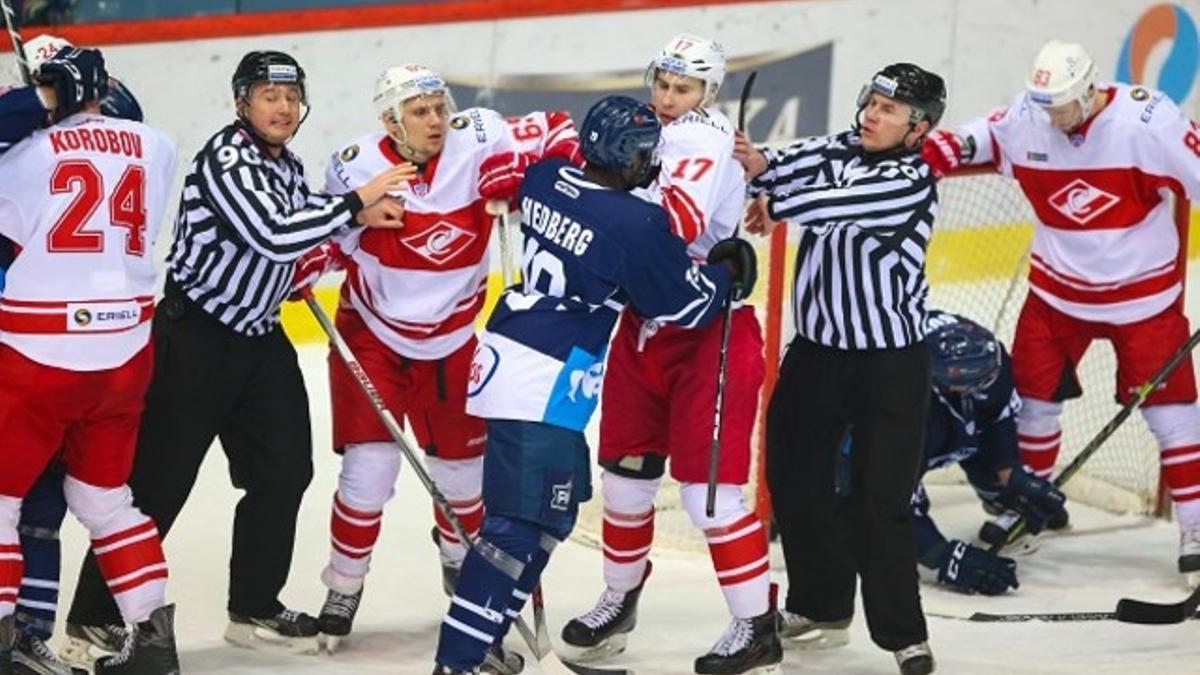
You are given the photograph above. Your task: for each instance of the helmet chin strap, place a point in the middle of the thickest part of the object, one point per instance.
(401, 139)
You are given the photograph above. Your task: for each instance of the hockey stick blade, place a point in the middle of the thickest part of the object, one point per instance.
(589, 670)
(744, 98)
(1152, 613)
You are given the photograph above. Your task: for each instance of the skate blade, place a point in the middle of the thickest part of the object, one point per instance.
(614, 645)
(250, 636)
(81, 654)
(824, 638)
(330, 644)
(1192, 579)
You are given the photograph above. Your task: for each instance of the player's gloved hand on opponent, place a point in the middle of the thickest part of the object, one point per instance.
(1034, 498)
(971, 569)
(76, 76)
(739, 258)
(501, 175)
(942, 151)
(562, 140)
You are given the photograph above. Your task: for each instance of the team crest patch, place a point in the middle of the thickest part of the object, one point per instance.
(349, 154)
(1139, 94)
(460, 122)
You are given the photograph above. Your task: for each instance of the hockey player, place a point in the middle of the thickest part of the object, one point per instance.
(590, 249)
(408, 311)
(22, 111)
(97, 345)
(661, 388)
(1097, 162)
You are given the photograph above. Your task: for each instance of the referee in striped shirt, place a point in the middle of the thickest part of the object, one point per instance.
(223, 367)
(865, 203)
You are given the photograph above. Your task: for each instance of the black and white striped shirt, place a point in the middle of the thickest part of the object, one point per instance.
(245, 217)
(865, 224)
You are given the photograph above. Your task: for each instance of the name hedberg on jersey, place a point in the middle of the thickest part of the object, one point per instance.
(97, 140)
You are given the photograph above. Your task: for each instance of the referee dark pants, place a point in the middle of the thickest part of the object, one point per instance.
(211, 382)
(881, 396)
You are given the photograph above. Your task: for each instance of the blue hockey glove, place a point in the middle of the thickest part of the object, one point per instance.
(1034, 498)
(971, 569)
(77, 76)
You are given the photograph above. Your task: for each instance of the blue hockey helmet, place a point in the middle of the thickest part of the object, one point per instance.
(119, 102)
(964, 356)
(620, 134)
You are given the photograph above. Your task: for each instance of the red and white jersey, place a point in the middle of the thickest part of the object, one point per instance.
(1105, 245)
(83, 200)
(420, 288)
(538, 130)
(701, 186)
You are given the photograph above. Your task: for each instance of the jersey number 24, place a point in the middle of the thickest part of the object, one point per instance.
(126, 208)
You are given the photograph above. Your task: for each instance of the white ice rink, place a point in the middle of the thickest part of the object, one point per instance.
(682, 613)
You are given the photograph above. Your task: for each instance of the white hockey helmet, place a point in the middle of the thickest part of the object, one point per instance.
(692, 56)
(1062, 72)
(398, 84)
(42, 48)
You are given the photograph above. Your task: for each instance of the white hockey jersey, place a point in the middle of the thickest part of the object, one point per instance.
(420, 288)
(1105, 245)
(538, 130)
(83, 200)
(701, 186)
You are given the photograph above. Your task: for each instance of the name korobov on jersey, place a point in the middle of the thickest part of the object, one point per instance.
(419, 289)
(83, 200)
(589, 251)
(1108, 247)
(701, 186)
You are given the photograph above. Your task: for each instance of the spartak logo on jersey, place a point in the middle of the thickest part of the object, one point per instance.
(1081, 202)
(441, 242)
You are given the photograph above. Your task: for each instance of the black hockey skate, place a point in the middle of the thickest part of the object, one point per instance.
(915, 660)
(149, 648)
(85, 644)
(7, 637)
(445, 670)
(289, 631)
(1189, 557)
(501, 661)
(804, 633)
(747, 646)
(337, 617)
(993, 532)
(32, 656)
(604, 630)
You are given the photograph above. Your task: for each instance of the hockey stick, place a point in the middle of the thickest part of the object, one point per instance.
(547, 659)
(1139, 397)
(1130, 610)
(1019, 617)
(714, 448)
(499, 210)
(14, 26)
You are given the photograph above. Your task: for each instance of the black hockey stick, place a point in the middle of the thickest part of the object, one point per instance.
(714, 448)
(547, 660)
(1140, 611)
(1053, 617)
(14, 26)
(1139, 397)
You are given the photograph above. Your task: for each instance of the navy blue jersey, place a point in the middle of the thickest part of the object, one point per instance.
(978, 432)
(589, 252)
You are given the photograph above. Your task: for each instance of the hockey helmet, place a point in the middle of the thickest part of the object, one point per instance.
(620, 134)
(398, 84)
(692, 56)
(267, 66)
(1062, 72)
(119, 102)
(964, 356)
(42, 48)
(923, 91)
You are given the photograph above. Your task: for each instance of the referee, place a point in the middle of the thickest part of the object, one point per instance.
(223, 368)
(865, 203)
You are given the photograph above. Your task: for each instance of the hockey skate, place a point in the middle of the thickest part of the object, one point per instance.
(604, 630)
(32, 656)
(994, 531)
(747, 646)
(445, 670)
(915, 659)
(85, 644)
(805, 634)
(289, 631)
(7, 636)
(149, 648)
(501, 661)
(1189, 557)
(337, 617)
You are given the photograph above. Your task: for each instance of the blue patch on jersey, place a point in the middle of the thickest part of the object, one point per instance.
(577, 390)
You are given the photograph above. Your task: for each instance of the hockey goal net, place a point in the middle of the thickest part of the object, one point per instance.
(977, 266)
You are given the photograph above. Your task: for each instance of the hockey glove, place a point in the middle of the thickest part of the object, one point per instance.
(942, 151)
(971, 569)
(1034, 498)
(739, 258)
(77, 76)
(562, 140)
(500, 175)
